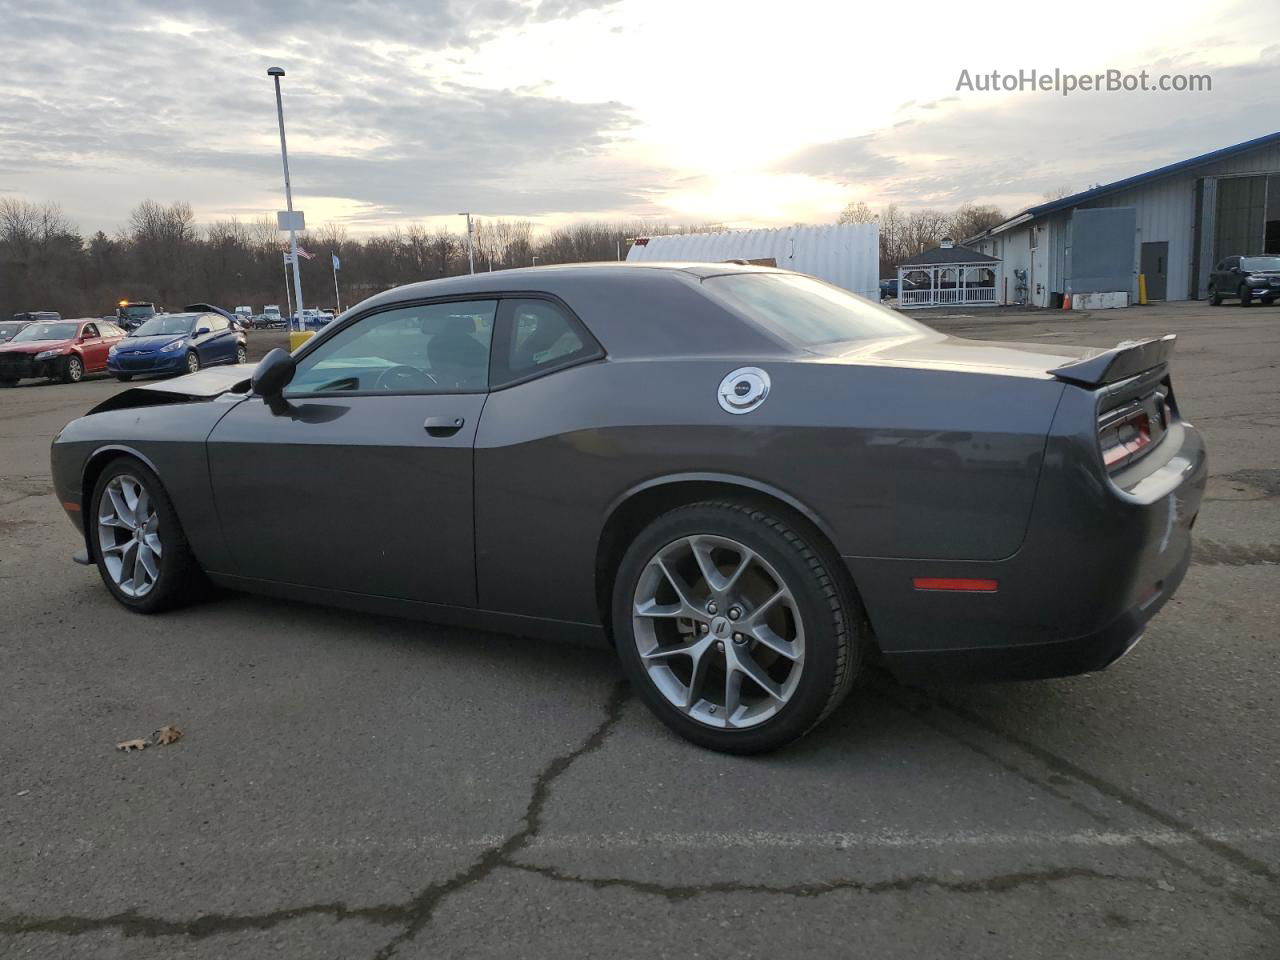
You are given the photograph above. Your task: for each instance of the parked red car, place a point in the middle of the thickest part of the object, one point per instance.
(60, 350)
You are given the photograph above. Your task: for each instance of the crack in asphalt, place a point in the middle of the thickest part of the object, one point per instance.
(413, 915)
(997, 884)
(1065, 768)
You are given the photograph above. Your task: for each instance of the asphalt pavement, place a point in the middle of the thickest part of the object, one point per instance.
(357, 787)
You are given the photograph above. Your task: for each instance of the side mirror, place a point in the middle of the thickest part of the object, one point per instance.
(273, 374)
(202, 331)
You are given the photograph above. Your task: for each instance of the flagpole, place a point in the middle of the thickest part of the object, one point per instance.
(337, 297)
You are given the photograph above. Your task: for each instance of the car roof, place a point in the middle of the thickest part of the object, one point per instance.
(645, 309)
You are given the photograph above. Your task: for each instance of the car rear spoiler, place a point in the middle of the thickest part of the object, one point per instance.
(1121, 362)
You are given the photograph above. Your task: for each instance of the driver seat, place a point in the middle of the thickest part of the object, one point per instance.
(456, 355)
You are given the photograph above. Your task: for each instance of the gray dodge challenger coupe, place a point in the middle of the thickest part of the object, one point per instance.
(743, 479)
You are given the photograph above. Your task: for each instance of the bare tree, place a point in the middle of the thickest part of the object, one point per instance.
(856, 212)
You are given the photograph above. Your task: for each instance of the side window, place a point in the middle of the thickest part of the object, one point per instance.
(434, 348)
(537, 336)
(214, 322)
(111, 330)
(90, 331)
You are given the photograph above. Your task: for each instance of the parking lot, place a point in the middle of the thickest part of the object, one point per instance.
(355, 787)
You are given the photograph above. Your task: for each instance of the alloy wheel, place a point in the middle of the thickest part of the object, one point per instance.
(241, 355)
(75, 370)
(718, 631)
(193, 363)
(129, 535)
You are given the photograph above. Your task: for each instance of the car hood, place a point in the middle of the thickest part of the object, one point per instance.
(147, 344)
(941, 352)
(230, 382)
(33, 346)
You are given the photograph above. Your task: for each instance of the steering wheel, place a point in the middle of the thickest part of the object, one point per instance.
(404, 377)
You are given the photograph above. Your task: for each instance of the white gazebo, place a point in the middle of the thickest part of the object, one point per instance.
(946, 276)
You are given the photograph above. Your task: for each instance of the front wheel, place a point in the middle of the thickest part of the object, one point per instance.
(735, 628)
(242, 355)
(73, 370)
(139, 546)
(1246, 296)
(193, 362)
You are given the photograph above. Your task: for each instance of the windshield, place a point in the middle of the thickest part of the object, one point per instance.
(48, 331)
(159, 326)
(807, 312)
(137, 313)
(9, 327)
(1260, 263)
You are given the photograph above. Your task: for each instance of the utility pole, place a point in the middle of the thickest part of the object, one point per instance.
(276, 73)
(471, 253)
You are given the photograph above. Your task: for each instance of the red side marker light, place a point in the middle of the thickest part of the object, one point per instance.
(70, 507)
(958, 584)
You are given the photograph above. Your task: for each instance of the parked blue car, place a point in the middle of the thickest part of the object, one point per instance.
(177, 343)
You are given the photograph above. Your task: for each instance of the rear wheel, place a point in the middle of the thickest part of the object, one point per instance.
(193, 362)
(1214, 299)
(139, 546)
(736, 630)
(73, 370)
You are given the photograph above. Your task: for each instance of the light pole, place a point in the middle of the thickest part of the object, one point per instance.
(276, 73)
(471, 255)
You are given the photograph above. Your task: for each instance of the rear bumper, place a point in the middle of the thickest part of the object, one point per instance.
(1098, 562)
(1038, 661)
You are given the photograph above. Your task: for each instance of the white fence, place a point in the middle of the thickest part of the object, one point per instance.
(947, 296)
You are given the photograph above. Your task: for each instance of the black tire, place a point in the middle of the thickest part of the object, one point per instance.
(8, 383)
(834, 636)
(72, 370)
(1246, 297)
(180, 579)
(1214, 299)
(242, 355)
(124, 377)
(193, 361)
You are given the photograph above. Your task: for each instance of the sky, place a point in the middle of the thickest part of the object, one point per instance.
(668, 111)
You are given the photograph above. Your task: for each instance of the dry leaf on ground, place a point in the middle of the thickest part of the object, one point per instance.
(127, 745)
(167, 734)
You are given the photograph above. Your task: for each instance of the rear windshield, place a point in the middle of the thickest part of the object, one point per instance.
(1260, 263)
(47, 331)
(807, 312)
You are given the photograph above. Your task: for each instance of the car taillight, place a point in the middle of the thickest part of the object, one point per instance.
(1124, 434)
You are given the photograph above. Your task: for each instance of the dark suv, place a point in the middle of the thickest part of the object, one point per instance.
(1246, 278)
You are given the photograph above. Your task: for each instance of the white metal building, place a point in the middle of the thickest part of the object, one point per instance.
(847, 255)
(1171, 224)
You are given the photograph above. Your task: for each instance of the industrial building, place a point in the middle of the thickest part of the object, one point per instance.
(1171, 225)
(847, 255)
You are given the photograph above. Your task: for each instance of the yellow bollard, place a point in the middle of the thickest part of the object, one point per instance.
(1142, 289)
(298, 337)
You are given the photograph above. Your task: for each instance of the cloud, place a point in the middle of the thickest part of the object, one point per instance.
(1010, 149)
(854, 158)
(172, 89)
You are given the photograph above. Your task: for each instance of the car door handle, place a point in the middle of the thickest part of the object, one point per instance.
(443, 426)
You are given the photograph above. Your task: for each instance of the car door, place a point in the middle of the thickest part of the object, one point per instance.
(1227, 279)
(361, 480)
(93, 351)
